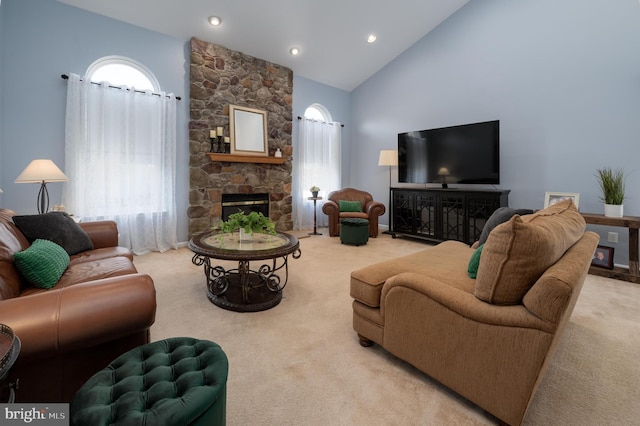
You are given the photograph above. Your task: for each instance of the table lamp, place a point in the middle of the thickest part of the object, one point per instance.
(42, 172)
(444, 172)
(388, 157)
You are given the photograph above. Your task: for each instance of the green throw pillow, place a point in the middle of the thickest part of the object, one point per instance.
(350, 206)
(43, 263)
(474, 262)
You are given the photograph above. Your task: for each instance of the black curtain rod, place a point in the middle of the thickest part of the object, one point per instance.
(66, 77)
(300, 118)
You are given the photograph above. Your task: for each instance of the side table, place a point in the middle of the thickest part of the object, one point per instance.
(9, 350)
(632, 223)
(315, 231)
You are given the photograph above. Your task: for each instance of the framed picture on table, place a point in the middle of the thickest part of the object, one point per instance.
(603, 257)
(550, 198)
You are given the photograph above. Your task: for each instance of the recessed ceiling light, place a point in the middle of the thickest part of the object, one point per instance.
(371, 38)
(215, 21)
(294, 51)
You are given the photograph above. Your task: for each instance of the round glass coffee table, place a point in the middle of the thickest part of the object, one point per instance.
(243, 289)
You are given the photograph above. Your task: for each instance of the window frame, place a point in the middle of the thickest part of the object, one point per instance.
(324, 112)
(124, 61)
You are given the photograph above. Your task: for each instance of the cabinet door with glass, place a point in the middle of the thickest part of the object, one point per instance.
(444, 214)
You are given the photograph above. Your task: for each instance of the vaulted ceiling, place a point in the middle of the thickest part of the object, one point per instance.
(331, 34)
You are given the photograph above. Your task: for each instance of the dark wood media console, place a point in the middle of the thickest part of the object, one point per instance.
(437, 214)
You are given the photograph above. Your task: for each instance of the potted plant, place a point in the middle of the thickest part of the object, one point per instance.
(314, 191)
(247, 224)
(612, 185)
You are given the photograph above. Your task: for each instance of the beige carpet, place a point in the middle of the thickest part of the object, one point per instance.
(300, 363)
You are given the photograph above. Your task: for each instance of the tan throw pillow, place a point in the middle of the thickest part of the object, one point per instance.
(518, 252)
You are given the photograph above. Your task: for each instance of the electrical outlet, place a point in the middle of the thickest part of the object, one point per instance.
(612, 237)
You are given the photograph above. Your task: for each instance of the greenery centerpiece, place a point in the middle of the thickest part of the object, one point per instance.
(612, 185)
(314, 191)
(247, 224)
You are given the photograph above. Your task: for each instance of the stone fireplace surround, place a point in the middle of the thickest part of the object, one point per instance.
(220, 77)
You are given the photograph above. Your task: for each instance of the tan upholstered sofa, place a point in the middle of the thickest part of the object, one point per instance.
(369, 209)
(100, 308)
(489, 339)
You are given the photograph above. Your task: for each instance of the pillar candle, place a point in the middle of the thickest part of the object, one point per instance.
(220, 131)
(226, 139)
(212, 133)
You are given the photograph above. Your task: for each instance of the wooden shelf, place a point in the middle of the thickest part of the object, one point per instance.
(617, 273)
(624, 222)
(231, 158)
(631, 274)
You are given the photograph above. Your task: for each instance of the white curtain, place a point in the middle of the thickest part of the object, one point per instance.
(120, 156)
(318, 164)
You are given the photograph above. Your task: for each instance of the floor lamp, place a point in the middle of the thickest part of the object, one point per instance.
(42, 171)
(389, 157)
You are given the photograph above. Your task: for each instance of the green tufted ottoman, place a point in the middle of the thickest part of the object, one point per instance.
(177, 381)
(354, 231)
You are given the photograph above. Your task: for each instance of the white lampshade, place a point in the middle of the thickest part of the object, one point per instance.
(388, 157)
(39, 171)
(443, 171)
(42, 172)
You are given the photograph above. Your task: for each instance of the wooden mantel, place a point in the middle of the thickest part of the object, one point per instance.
(231, 158)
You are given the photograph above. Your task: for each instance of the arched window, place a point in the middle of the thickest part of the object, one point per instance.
(317, 112)
(122, 71)
(120, 152)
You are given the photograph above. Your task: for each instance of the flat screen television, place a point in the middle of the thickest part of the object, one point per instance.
(465, 154)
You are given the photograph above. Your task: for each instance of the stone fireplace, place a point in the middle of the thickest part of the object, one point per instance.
(220, 77)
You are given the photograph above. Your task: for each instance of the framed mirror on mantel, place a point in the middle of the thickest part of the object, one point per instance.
(248, 128)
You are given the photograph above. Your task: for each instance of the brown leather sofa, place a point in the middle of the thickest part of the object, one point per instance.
(490, 339)
(100, 308)
(370, 209)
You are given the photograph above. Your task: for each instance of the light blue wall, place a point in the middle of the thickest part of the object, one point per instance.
(338, 102)
(563, 78)
(36, 49)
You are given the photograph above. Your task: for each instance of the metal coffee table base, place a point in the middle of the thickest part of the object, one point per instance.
(260, 298)
(243, 289)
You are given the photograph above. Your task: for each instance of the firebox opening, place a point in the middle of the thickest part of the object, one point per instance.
(247, 203)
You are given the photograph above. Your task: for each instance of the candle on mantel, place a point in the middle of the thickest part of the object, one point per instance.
(212, 134)
(226, 139)
(220, 132)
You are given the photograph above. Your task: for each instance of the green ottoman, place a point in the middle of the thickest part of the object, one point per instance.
(354, 231)
(177, 381)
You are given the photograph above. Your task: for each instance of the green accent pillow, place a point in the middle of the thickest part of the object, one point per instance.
(43, 263)
(474, 262)
(350, 206)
